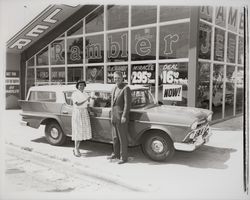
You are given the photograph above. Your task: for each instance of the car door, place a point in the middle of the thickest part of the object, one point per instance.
(66, 113)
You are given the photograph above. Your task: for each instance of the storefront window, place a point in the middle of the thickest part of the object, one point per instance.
(94, 21)
(203, 86)
(232, 21)
(229, 96)
(112, 68)
(174, 41)
(241, 22)
(206, 13)
(239, 90)
(173, 83)
(217, 97)
(75, 50)
(95, 74)
(220, 16)
(31, 62)
(42, 76)
(94, 49)
(143, 44)
(57, 52)
(143, 15)
(219, 44)
(231, 47)
(76, 30)
(205, 41)
(169, 13)
(42, 57)
(75, 74)
(58, 75)
(30, 78)
(241, 50)
(117, 47)
(117, 17)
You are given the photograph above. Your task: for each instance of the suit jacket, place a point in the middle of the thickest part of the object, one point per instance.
(120, 104)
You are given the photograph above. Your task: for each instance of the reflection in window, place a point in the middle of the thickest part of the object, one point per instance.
(42, 75)
(232, 21)
(206, 13)
(31, 62)
(75, 50)
(173, 83)
(205, 41)
(174, 41)
(75, 74)
(240, 50)
(229, 96)
(219, 42)
(111, 69)
(57, 52)
(203, 86)
(231, 47)
(94, 21)
(117, 47)
(143, 44)
(220, 16)
(239, 90)
(217, 97)
(76, 30)
(42, 57)
(58, 75)
(30, 78)
(94, 49)
(143, 15)
(95, 74)
(117, 17)
(168, 13)
(101, 99)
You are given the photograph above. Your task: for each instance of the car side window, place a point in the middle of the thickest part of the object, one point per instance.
(46, 96)
(100, 99)
(68, 99)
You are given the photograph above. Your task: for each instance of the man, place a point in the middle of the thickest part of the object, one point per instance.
(120, 102)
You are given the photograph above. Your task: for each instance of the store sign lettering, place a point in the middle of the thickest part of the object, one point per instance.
(143, 45)
(205, 10)
(75, 53)
(58, 74)
(232, 17)
(169, 39)
(220, 14)
(115, 48)
(93, 51)
(241, 24)
(172, 92)
(36, 31)
(58, 52)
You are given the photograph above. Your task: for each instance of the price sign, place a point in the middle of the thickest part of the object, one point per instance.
(143, 74)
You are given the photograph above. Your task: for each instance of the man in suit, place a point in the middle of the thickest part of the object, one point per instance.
(120, 103)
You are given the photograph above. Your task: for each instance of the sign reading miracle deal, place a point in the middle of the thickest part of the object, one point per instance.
(12, 89)
(143, 74)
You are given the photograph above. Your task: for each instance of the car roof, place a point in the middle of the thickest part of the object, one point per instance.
(90, 87)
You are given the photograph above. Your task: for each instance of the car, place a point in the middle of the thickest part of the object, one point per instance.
(159, 129)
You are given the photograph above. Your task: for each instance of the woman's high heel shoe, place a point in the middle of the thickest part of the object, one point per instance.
(76, 154)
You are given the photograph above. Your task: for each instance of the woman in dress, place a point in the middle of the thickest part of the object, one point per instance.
(81, 129)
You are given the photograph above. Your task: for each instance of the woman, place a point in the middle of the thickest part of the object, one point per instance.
(81, 129)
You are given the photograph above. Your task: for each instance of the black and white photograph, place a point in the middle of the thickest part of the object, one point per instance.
(124, 99)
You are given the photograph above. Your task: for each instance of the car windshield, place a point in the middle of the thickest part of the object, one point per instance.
(141, 98)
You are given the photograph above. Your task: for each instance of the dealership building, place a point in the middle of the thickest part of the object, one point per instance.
(187, 55)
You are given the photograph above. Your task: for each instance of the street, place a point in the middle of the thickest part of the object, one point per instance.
(214, 171)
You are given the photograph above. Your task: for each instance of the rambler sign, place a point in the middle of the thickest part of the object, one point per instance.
(42, 24)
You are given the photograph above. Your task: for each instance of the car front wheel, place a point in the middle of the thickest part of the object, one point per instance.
(158, 147)
(54, 134)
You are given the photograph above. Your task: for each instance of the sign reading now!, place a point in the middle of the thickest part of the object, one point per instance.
(172, 92)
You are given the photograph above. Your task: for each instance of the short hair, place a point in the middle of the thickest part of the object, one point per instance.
(119, 73)
(79, 82)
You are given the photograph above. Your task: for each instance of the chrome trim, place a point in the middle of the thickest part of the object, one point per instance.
(106, 118)
(23, 123)
(205, 127)
(160, 123)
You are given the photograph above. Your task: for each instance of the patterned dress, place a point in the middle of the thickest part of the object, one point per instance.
(81, 128)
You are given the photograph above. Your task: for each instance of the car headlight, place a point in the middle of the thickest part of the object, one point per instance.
(209, 117)
(194, 125)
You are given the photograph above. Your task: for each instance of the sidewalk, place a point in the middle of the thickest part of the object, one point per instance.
(235, 123)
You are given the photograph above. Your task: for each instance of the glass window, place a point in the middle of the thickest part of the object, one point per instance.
(229, 96)
(141, 98)
(42, 57)
(232, 19)
(42, 75)
(95, 74)
(168, 13)
(240, 90)
(57, 52)
(75, 50)
(219, 41)
(143, 44)
(174, 41)
(241, 22)
(220, 16)
(75, 74)
(30, 78)
(102, 99)
(117, 17)
(42, 96)
(111, 69)
(217, 97)
(206, 13)
(205, 41)
(143, 15)
(58, 75)
(76, 30)
(173, 83)
(117, 47)
(31, 62)
(203, 86)
(231, 47)
(94, 49)
(94, 21)
(240, 50)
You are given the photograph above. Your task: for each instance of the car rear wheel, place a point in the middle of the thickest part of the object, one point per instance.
(158, 147)
(54, 134)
